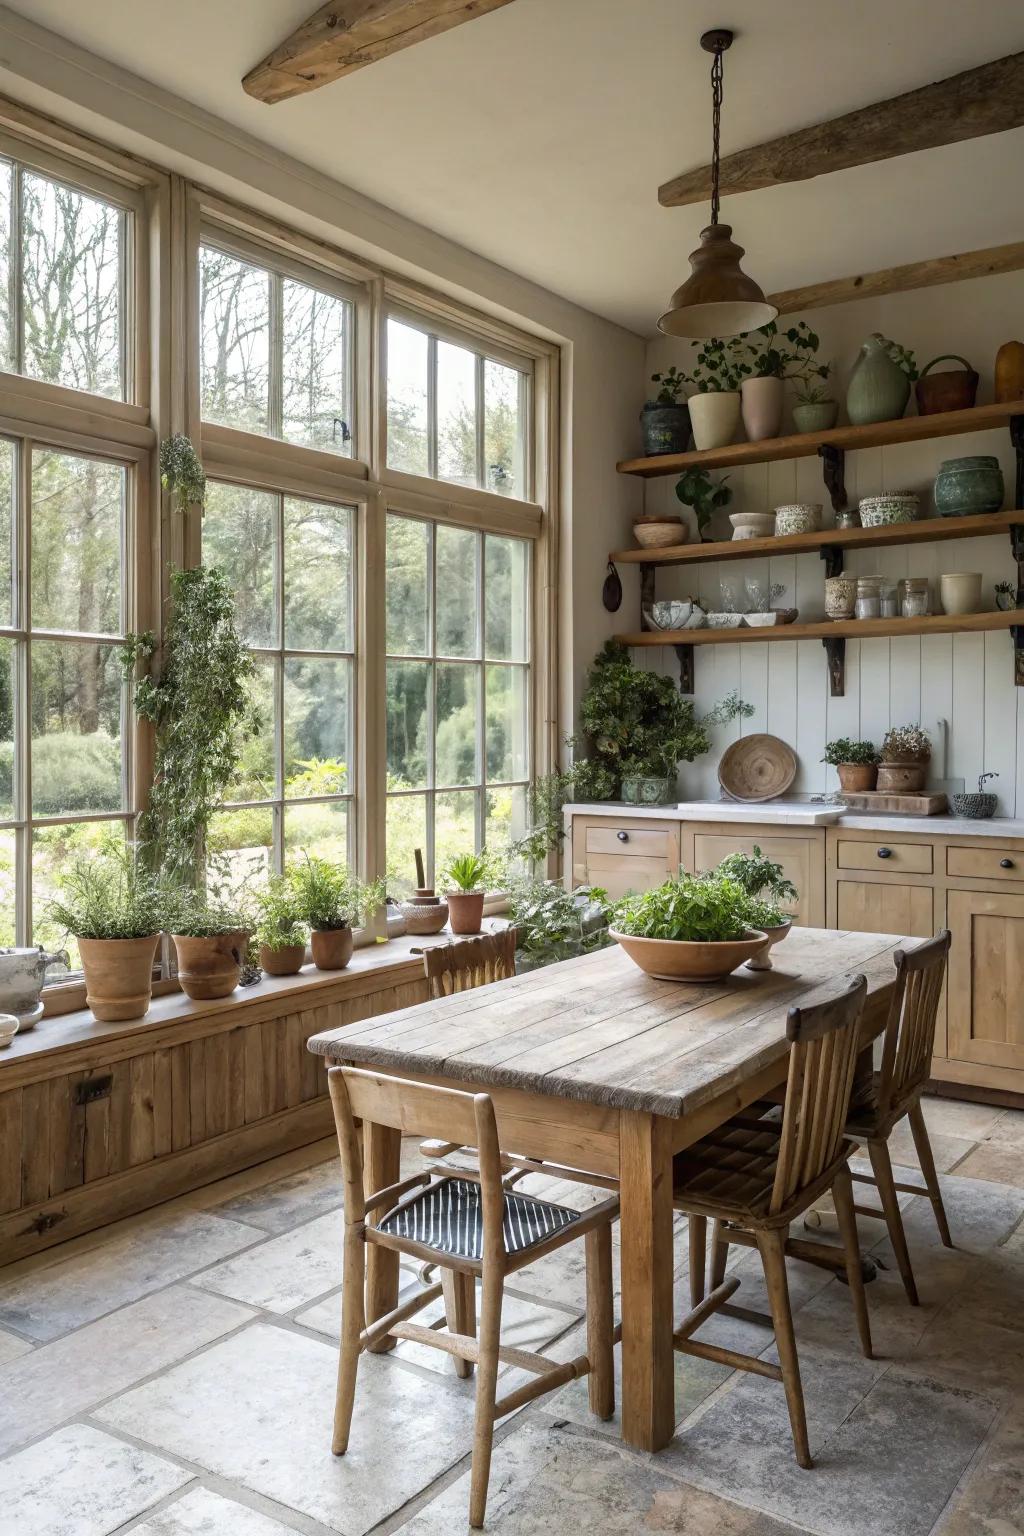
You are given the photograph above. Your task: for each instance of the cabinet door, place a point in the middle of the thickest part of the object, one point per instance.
(801, 860)
(885, 906)
(623, 855)
(986, 978)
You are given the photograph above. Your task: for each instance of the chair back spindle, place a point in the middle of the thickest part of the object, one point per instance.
(910, 1028)
(476, 962)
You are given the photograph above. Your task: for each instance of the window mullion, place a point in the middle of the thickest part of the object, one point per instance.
(23, 699)
(432, 407)
(275, 384)
(16, 274)
(478, 381)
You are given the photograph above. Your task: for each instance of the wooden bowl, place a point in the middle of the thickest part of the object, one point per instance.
(680, 960)
(757, 767)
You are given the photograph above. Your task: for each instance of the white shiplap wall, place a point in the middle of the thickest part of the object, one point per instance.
(964, 680)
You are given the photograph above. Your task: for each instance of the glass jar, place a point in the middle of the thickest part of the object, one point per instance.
(869, 599)
(915, 602)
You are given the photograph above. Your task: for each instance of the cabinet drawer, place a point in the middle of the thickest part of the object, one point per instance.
(901, 858)
(630, 842)
(985, 863)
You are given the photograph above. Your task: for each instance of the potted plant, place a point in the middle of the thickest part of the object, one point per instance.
(555, 924)
(181, 472)
(1006, 595)
(880, 381)
(211, 940)
(815, 409)
(692, 928)
(695, 488)
(281, 931)
(666, 418)
(856, 763)
(715, 408)
(767, 884)
(762, 394)
(331, 899)
(115, 909)
(464, 882)
(905, 754)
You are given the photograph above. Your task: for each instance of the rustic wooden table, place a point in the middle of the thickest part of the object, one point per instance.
(593, 1064)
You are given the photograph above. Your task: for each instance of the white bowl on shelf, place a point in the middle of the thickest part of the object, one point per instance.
(752, 525)
(726, 620)
(670, 613)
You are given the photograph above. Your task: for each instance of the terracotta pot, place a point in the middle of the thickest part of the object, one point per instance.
(680, 960)
(715, 417)
(1009, 373)
(762, 961)
(332, 948)
(761, 405)
(902, 778)
(210, 967)
(286, 961)
(118, 976)
(857, 777)
(466, 910)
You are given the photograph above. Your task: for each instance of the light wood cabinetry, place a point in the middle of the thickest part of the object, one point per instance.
(885, 906)
(799, 856)
(986, 978)
(623, 854)
(891, 858)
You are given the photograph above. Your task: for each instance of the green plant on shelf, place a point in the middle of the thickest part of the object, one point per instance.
(670, 384)
(109, 894)
(903, 357)
(555, 924)
(329, 896)
(843, 751)
(720, 365)
(281, 921)
(695, 488)
(470, 872)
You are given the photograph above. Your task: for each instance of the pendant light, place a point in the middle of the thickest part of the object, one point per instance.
(718, 298)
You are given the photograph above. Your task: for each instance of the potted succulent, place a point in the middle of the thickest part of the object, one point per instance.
(212, 941)
(555, 924)
(464, 882)
(856, 763)
(905, 754)
(115, 909)
(330, 900)
(692, 928)
(666, 419)
(715, 408)
(281, 931)
(767, 884)
(695, 488)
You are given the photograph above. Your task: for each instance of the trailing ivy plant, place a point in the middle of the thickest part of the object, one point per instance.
(181, 473)
(197, 697)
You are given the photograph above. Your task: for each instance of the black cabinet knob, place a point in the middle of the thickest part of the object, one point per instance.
(885, 853)
(1005, 863)
(623, 837)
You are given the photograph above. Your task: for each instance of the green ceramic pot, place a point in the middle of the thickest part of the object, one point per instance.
(815, 416)
(973, 484)
(637, 791)
(878, 388)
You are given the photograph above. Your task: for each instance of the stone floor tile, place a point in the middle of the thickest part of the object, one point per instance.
(981, 1215)
(827, 1321)
(267, 1403)
(79, 1287)
(885, 1462)
(545, 1482)
(991, 1500)
(285, 1272)
(959, 1117)
(1009, 1128)
(81, 1482)
(948, 1151)
(959, 1348)
(56, 1381)
(992, 1289)
(11, 1346)
(998, 1162)
(279, 1206)
(561, 1276)
(202, 1513)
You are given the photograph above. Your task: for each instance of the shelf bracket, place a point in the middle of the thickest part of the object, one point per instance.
(833, 462)
(1017, 439)
(1017, 637)
(646, 592)
(835, 652)
(685, 655)
(833, 558)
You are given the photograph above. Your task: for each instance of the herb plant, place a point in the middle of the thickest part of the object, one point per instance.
(758, 875)
(765, 914)
(329, 896)
(906, 744)
(843, 751)
(109, 895)
(181, 472)
(705, 909)
(194, 916)
(281, 922)
(671, 385)
(466, 872)
(695, 488)
(556, 924)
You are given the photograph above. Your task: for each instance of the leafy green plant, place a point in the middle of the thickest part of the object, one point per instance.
(193, 916)
(765, 914)
(330, 896)
(109, 895)
(556, 924)
(843, 750)
(199, 704)
(906, 744)
(721, 365)
(281, 923)
(705, 909)
(758, 875)
(803, 367)
(903, 357)
(181, 472)
(466, 872)
(671, 385)
(695, 488)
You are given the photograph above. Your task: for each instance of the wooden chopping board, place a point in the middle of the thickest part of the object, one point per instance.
(897, 805)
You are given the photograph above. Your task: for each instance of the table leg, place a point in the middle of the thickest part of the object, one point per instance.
(382, 1154)
(648, 1360)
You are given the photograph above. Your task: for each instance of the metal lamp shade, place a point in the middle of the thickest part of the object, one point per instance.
(718, 298)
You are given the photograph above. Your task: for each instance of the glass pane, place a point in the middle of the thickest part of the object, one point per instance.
(8, 865)
(7, 484)
(506, 723)
(458, 716)
(314, 388)
(408, 587)
(457, 555)
(407, 399)
(406, 831)
(71, 287)
(238, 852)
(316, 727)
(77, 507)
(506, 618)
(255, 777)
(408, 693)
(53, 848)
(318, 829)
(317, 576)
(240, 535)
(76, 728)
(506, 816)
(454, 826)
(7, 349)
(234, 325)
(456, 414)
(503, 430)
(7, 763)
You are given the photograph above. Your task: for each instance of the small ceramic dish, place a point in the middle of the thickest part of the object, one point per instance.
(798, 517)
(762, 620)
(672, 613)
(726, 620)
(8, 1028)
(752, 525)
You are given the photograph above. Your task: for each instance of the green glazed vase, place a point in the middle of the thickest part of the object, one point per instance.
(973, 484)
(878, 388)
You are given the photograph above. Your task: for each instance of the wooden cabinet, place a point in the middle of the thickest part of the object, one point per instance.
(800, 858)
(622, 854)
(986, 978)
(884, 855)
(885, 907)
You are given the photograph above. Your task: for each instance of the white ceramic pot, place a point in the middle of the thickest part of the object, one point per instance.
(762, 401)
(840, 596)
(752, 525)
(798, 517)
(715, 417)
(960, 592)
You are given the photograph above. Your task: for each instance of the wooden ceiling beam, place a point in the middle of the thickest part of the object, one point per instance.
(989, 99)
(915, 274)
(346, 35)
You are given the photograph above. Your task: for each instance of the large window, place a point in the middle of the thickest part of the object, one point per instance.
(458, 691)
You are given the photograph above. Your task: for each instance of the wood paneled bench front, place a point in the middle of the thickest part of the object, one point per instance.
(99, 1121)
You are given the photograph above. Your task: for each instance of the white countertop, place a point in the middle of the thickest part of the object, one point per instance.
(804, 813)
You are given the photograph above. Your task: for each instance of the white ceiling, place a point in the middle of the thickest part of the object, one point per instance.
(538, 135)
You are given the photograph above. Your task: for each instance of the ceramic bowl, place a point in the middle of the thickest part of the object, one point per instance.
(659, 535)
(726, 620)
(752, 525)
(762, 961)
(894, 507)
(798, 517)
(8, 1028)
(840, 596)
(762, 620)
(679, 960)
(672, 613)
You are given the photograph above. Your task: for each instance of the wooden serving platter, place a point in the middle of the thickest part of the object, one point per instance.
(898, 805)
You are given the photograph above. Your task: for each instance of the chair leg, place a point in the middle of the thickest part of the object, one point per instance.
(881, 1167)
(924, 1156)
(600, 1324)
(842, 1193)
(352, 1322)
(460, 1311)
(697, 1236)
(719, 1252)
(486, 1388)
(772, 1248)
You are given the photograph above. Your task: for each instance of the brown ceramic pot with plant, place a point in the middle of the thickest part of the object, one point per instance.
(118, 976)
(856, 763)
(281, 933)
(330, 899)
(905, 754)
(211, 943)
(332, 947)
(464, 880)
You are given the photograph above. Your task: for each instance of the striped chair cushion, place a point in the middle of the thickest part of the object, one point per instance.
(448, 1218)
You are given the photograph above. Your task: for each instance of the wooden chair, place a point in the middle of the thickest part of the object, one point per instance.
(470, 963)
(471, 1227)
(759, 1171)
(895, 1090)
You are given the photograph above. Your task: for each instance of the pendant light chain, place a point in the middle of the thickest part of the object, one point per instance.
(717, 91)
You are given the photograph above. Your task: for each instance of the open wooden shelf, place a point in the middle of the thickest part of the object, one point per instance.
(802, 445)
(833, 629)
(827, 539)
